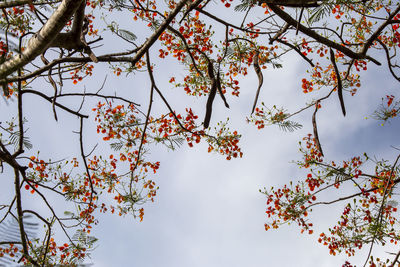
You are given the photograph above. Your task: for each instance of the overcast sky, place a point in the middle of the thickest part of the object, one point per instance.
(208, 211)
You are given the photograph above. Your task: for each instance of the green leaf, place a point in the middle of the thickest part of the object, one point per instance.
(117, 146)
(14, 140)
(319, 12)
(127, 35)
(289, 126)
(246, 4)
(9, 231)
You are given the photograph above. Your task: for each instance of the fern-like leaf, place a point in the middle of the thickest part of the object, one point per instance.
(9, 232)
(83, 238)
(127, 35)
(289, 126)
(116, 146)
(14, 140)
(318, 13)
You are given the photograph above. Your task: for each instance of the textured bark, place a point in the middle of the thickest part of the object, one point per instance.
(41, 40)
(75, 39)
(7, 4)
(13, 3)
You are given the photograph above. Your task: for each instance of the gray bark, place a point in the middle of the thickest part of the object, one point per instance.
(13, 3)
(41, 40)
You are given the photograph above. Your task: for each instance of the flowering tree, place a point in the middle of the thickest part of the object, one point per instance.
(56, 42)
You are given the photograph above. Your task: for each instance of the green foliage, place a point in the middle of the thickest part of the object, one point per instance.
(318, 13)
(264, 116)
(84, 238)
(387, 110)
(245, 5)
(14, 140)
(10, 232)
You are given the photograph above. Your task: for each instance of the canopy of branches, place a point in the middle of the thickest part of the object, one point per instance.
(46, 45)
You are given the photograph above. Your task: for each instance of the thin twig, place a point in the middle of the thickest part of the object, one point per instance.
(147, 118)
(380, 212)
(57, 104)
(85, 162)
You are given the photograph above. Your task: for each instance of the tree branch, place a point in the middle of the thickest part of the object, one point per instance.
(389, 60)
(20, 218)
(104, 58)
(146, 45)
(291, 3)
(8, 4)
(57, 104)
(348, 52)
(40, 41)
(295, 48)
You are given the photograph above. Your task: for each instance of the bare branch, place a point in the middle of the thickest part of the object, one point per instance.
(279, 33)
(20, 218)
(348, 52)
(57, 104)
(295, 48)
(13, 3)
(389, 60)
(92, 191)
(291, 3)
(146, 45)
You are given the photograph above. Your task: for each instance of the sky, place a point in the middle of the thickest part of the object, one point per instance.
(208, 211)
